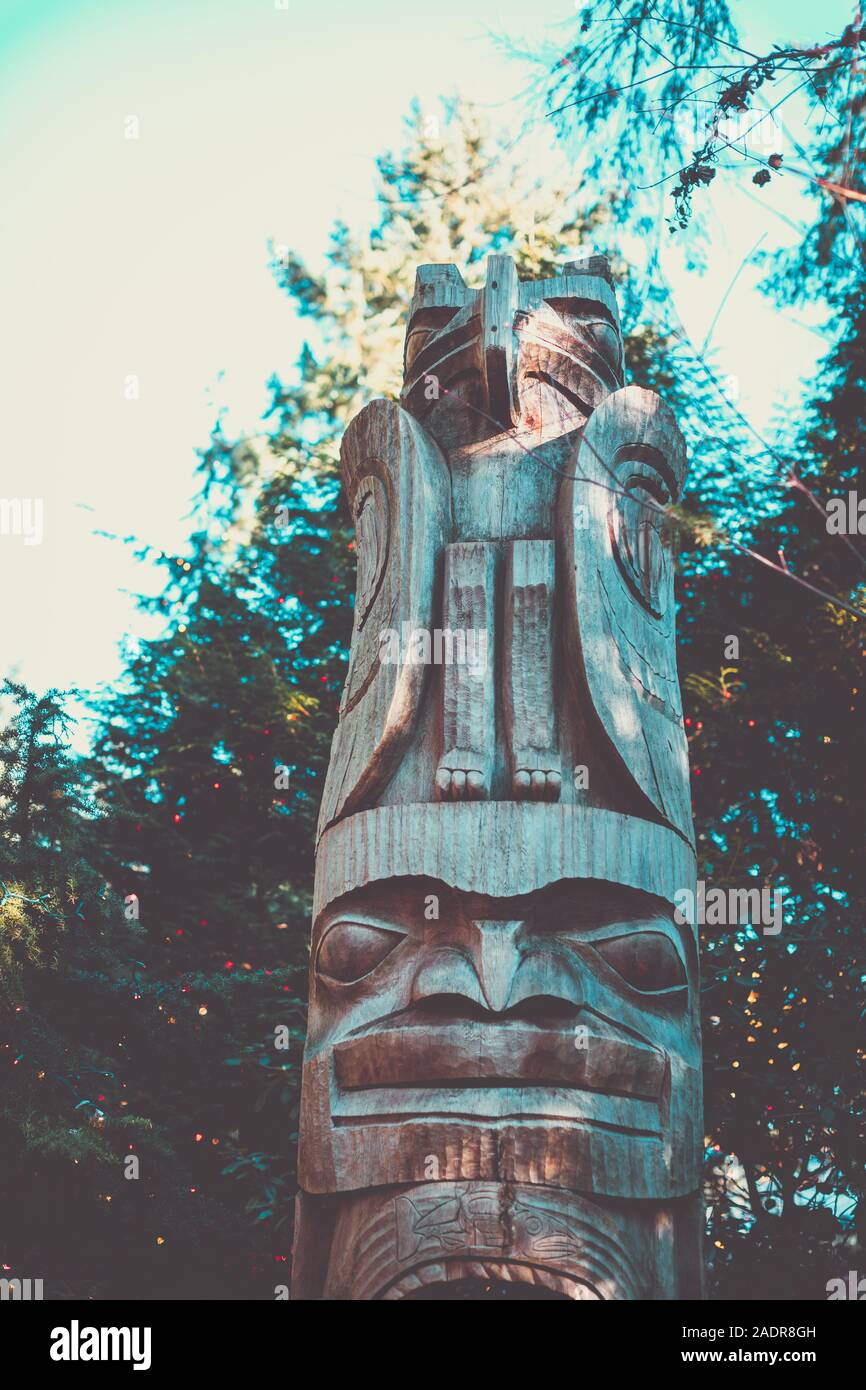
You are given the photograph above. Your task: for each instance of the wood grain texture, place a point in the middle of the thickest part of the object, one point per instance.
(499, 304)
(535, 846)
(618, 597)
(468, 690)
(395, 1244)
(528, 652)
(397, 484)
(502, 1072)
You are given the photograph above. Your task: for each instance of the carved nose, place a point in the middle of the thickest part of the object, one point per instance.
(496, 956)
(498, 307)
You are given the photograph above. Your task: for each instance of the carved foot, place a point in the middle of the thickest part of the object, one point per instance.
(537, 775)
(461, 777)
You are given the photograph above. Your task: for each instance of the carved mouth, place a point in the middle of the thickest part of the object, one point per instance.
(501, 1054)
(493, 1279)
(485, 1071)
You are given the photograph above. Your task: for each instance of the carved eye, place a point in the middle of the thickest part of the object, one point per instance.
(350, 950)
(646, 960)
(608, 342)
(639, 541)
(586, 324)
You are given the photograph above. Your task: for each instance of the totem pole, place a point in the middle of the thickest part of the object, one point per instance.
(501, 1086)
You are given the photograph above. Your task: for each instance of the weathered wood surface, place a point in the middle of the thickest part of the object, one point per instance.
(502, 1070)
(437, 1233)
(528, 647)
(534, 846)
(468, 695)
(397, 484)
(618, 591)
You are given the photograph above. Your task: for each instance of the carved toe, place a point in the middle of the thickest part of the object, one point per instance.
(459, 778)
(537, 776)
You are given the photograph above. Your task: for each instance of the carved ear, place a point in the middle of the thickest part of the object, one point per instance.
(398, 488)
(618, 609)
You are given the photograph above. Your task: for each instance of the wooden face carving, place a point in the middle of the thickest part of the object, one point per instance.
(549, 1038)
(525, 355)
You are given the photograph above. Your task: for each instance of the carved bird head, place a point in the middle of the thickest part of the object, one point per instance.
(514, 354)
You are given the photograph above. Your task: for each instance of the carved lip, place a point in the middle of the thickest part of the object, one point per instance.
(480, 1055)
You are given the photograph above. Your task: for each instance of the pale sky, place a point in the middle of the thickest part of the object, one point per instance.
(147, 258)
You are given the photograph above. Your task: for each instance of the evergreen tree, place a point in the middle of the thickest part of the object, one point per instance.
(92, 1179)
(781, 792)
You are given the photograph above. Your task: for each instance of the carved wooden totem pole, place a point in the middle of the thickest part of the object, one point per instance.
(501, 1084)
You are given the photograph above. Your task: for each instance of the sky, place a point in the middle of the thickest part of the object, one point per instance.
(151, 149)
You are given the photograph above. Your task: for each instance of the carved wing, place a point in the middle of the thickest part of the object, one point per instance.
(398, 487)
(619, 593)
